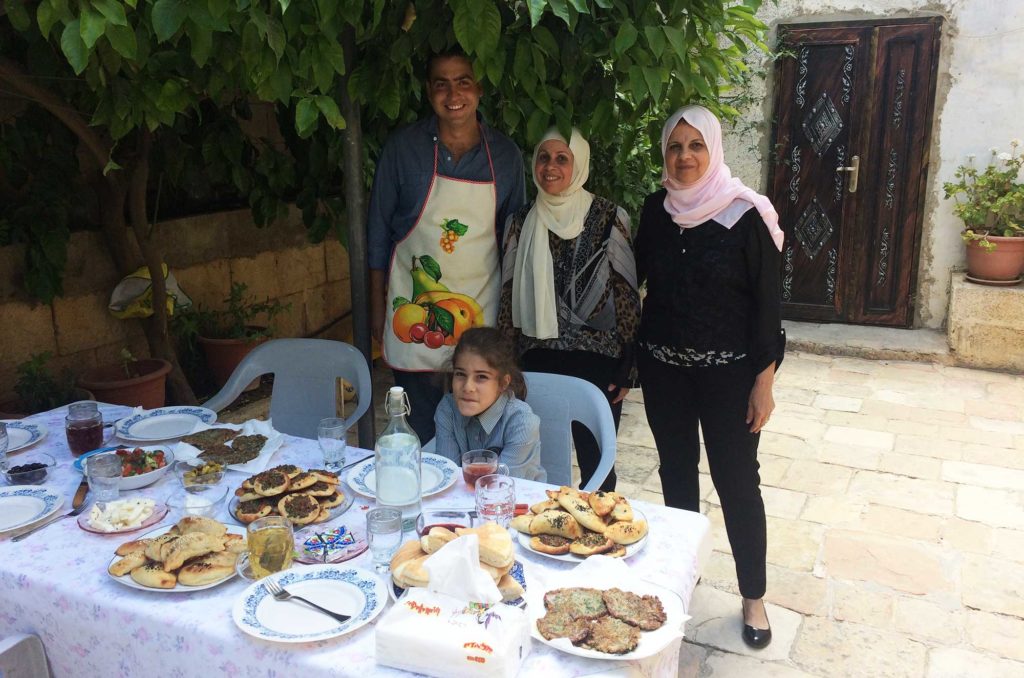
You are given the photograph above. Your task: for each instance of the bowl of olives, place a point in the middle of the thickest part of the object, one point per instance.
(31, 469)
(198, 472)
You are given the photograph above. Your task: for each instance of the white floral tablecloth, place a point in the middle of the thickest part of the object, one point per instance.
(54, 584)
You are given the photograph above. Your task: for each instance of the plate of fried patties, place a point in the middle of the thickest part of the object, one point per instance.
(246, 449)
(571, 525)
(304, 497)
(194, 554)
(633, 622)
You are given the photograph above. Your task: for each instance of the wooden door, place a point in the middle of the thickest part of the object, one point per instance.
(858, 93)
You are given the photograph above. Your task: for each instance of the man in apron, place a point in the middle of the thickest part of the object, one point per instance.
(441, 193)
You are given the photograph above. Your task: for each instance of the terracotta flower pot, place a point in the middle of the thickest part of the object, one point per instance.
(110, 384)
(224, 355)
(1001, 265)
(15, 409)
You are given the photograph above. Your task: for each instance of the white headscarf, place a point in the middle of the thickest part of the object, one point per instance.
(534, 306)
(711, 196)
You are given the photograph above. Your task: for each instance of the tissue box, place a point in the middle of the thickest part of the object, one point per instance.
(438, 635)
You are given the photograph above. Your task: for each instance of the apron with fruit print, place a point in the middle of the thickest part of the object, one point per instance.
(444, 276)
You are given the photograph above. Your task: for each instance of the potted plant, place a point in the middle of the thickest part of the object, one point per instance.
(991, 204)
(227, 336)
(39, 390)
(130, 382)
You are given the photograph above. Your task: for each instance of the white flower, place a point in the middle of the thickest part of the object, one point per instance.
(1005, 157)
(971, 157)
(1014, 143)
(993, 150)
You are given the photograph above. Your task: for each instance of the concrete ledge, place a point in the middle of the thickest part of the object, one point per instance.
(986, 325)
(873, 343)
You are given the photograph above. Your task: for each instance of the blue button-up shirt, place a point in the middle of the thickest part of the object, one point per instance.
(509, 426)
(403, 176)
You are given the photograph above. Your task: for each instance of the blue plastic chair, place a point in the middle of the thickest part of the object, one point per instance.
(305, 373)
(560, 400)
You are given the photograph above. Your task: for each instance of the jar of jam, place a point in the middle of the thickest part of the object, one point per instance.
(84, 427)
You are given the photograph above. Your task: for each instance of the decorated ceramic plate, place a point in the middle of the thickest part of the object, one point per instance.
(516, 572)
(631, 549)
(163, 423)
(345, 590)
(127, 580)
(22, 506)
(21, 434)
(439, 474)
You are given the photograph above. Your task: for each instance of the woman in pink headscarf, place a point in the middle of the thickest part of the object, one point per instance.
(710, 337)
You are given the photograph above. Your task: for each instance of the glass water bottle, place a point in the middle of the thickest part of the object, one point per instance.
(397, 461)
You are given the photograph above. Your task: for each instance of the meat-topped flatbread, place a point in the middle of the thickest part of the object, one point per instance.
(211, 437)
(549, 543)
(644, 612)
(300, 508)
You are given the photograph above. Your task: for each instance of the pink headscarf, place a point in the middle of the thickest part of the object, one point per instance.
(712, 194)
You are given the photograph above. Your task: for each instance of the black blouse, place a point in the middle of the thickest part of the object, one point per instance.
(713, 294)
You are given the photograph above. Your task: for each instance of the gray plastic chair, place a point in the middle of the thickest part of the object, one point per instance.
(305, 373)
(22, 656)
(560, 400)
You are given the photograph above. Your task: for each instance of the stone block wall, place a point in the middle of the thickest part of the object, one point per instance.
(986, 325)
(207, 253)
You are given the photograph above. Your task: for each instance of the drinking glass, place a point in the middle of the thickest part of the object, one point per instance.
(496, 499)
(384, 532)
(479, 463)
(104, 472)
(84, 427)
(331, 434)
(3, 445)
(271, 543)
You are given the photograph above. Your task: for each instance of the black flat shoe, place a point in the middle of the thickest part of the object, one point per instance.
(756, 638)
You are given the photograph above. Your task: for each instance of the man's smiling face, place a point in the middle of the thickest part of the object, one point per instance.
(454, 92)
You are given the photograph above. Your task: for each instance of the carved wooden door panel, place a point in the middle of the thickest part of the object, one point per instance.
(853, 120)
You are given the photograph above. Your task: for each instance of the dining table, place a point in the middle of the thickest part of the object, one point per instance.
(55, 584)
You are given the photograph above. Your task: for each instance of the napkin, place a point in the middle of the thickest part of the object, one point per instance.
(185, 451)
(455, 571)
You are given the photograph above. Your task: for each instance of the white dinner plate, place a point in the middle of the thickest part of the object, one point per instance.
(127, 580)
(651, 642)
(163, 423)
(21, 434)
(339, 588)
(21, 506)
(631, 549)
(439, 474)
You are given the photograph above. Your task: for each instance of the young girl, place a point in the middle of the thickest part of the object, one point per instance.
(486, 408)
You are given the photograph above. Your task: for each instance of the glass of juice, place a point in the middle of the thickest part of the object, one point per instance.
(84, 427)
(270, 545)
(479, 463)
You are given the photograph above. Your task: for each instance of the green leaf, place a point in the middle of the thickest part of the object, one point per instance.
(652, 76)
(110, 167)
(389, 99)
(536, 10)
(546, 41)
(172, 97)
(625, 39)
(122, 39)
(455, 226)
(677, 39)
(112, 10)
(284, 5)
(46, 17)
(560, 9)
(488, 29)
(445, 320)
(305, 117)
(276, 37)
(399, 301)
(496, 67)
(167, 18)
(430, 267)
(334, 54)
(92, 26)
(280, 83)
(201, 43)
(74, 48)
(536, 125)
(656, 40)
(637, 83)
(329, 108)
(18, 15)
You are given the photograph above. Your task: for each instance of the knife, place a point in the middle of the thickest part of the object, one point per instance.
(83, 489)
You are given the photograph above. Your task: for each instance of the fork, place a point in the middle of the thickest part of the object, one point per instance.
(69, 514)
(274, 589)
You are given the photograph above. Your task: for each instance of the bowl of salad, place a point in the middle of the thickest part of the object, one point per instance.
(140, 466)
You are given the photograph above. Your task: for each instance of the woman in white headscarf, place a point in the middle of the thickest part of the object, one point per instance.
(569, 295)
(710, 337)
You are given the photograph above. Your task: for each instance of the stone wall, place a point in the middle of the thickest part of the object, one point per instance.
(986, 325)
(206, 253)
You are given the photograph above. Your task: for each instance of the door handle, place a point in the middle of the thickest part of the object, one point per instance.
(854, 170)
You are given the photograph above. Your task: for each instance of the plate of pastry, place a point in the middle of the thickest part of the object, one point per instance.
(194, 554)
(244, 447)
(304, 497)
(572, 525)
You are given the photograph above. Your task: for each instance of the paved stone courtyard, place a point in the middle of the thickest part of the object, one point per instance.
(895, 501)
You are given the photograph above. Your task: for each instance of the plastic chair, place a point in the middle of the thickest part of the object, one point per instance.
(560, 400)
(22, 656)
(305, 373)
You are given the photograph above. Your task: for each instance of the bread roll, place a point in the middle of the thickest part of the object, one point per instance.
(496, 573)
(558, 523)
(190, 546)
(510, 588)
(154, 576)
(546, 505)
(411, 572)
(436, 538)
(602, 503)
(407, 551)
(627, 532)
(155, 549)
(133, 546)
(622, 510)
(202, 572)
(119, 568)
(495, 543)
(522, 523)
(582, 512)
(202, 524)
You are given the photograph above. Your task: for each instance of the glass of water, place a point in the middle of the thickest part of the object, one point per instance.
(331, 435)
(104, 472)
(384, 532)
(496, 498)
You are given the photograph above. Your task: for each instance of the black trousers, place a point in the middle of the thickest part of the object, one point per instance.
(425, 390)
(676, 400)
(599, 370)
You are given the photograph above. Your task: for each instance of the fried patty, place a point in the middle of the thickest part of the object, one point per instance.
(558, 624)
(580, 603)
(211, 437)
(612, 635)
(222, 454)
(645, 612)
(249, 445)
